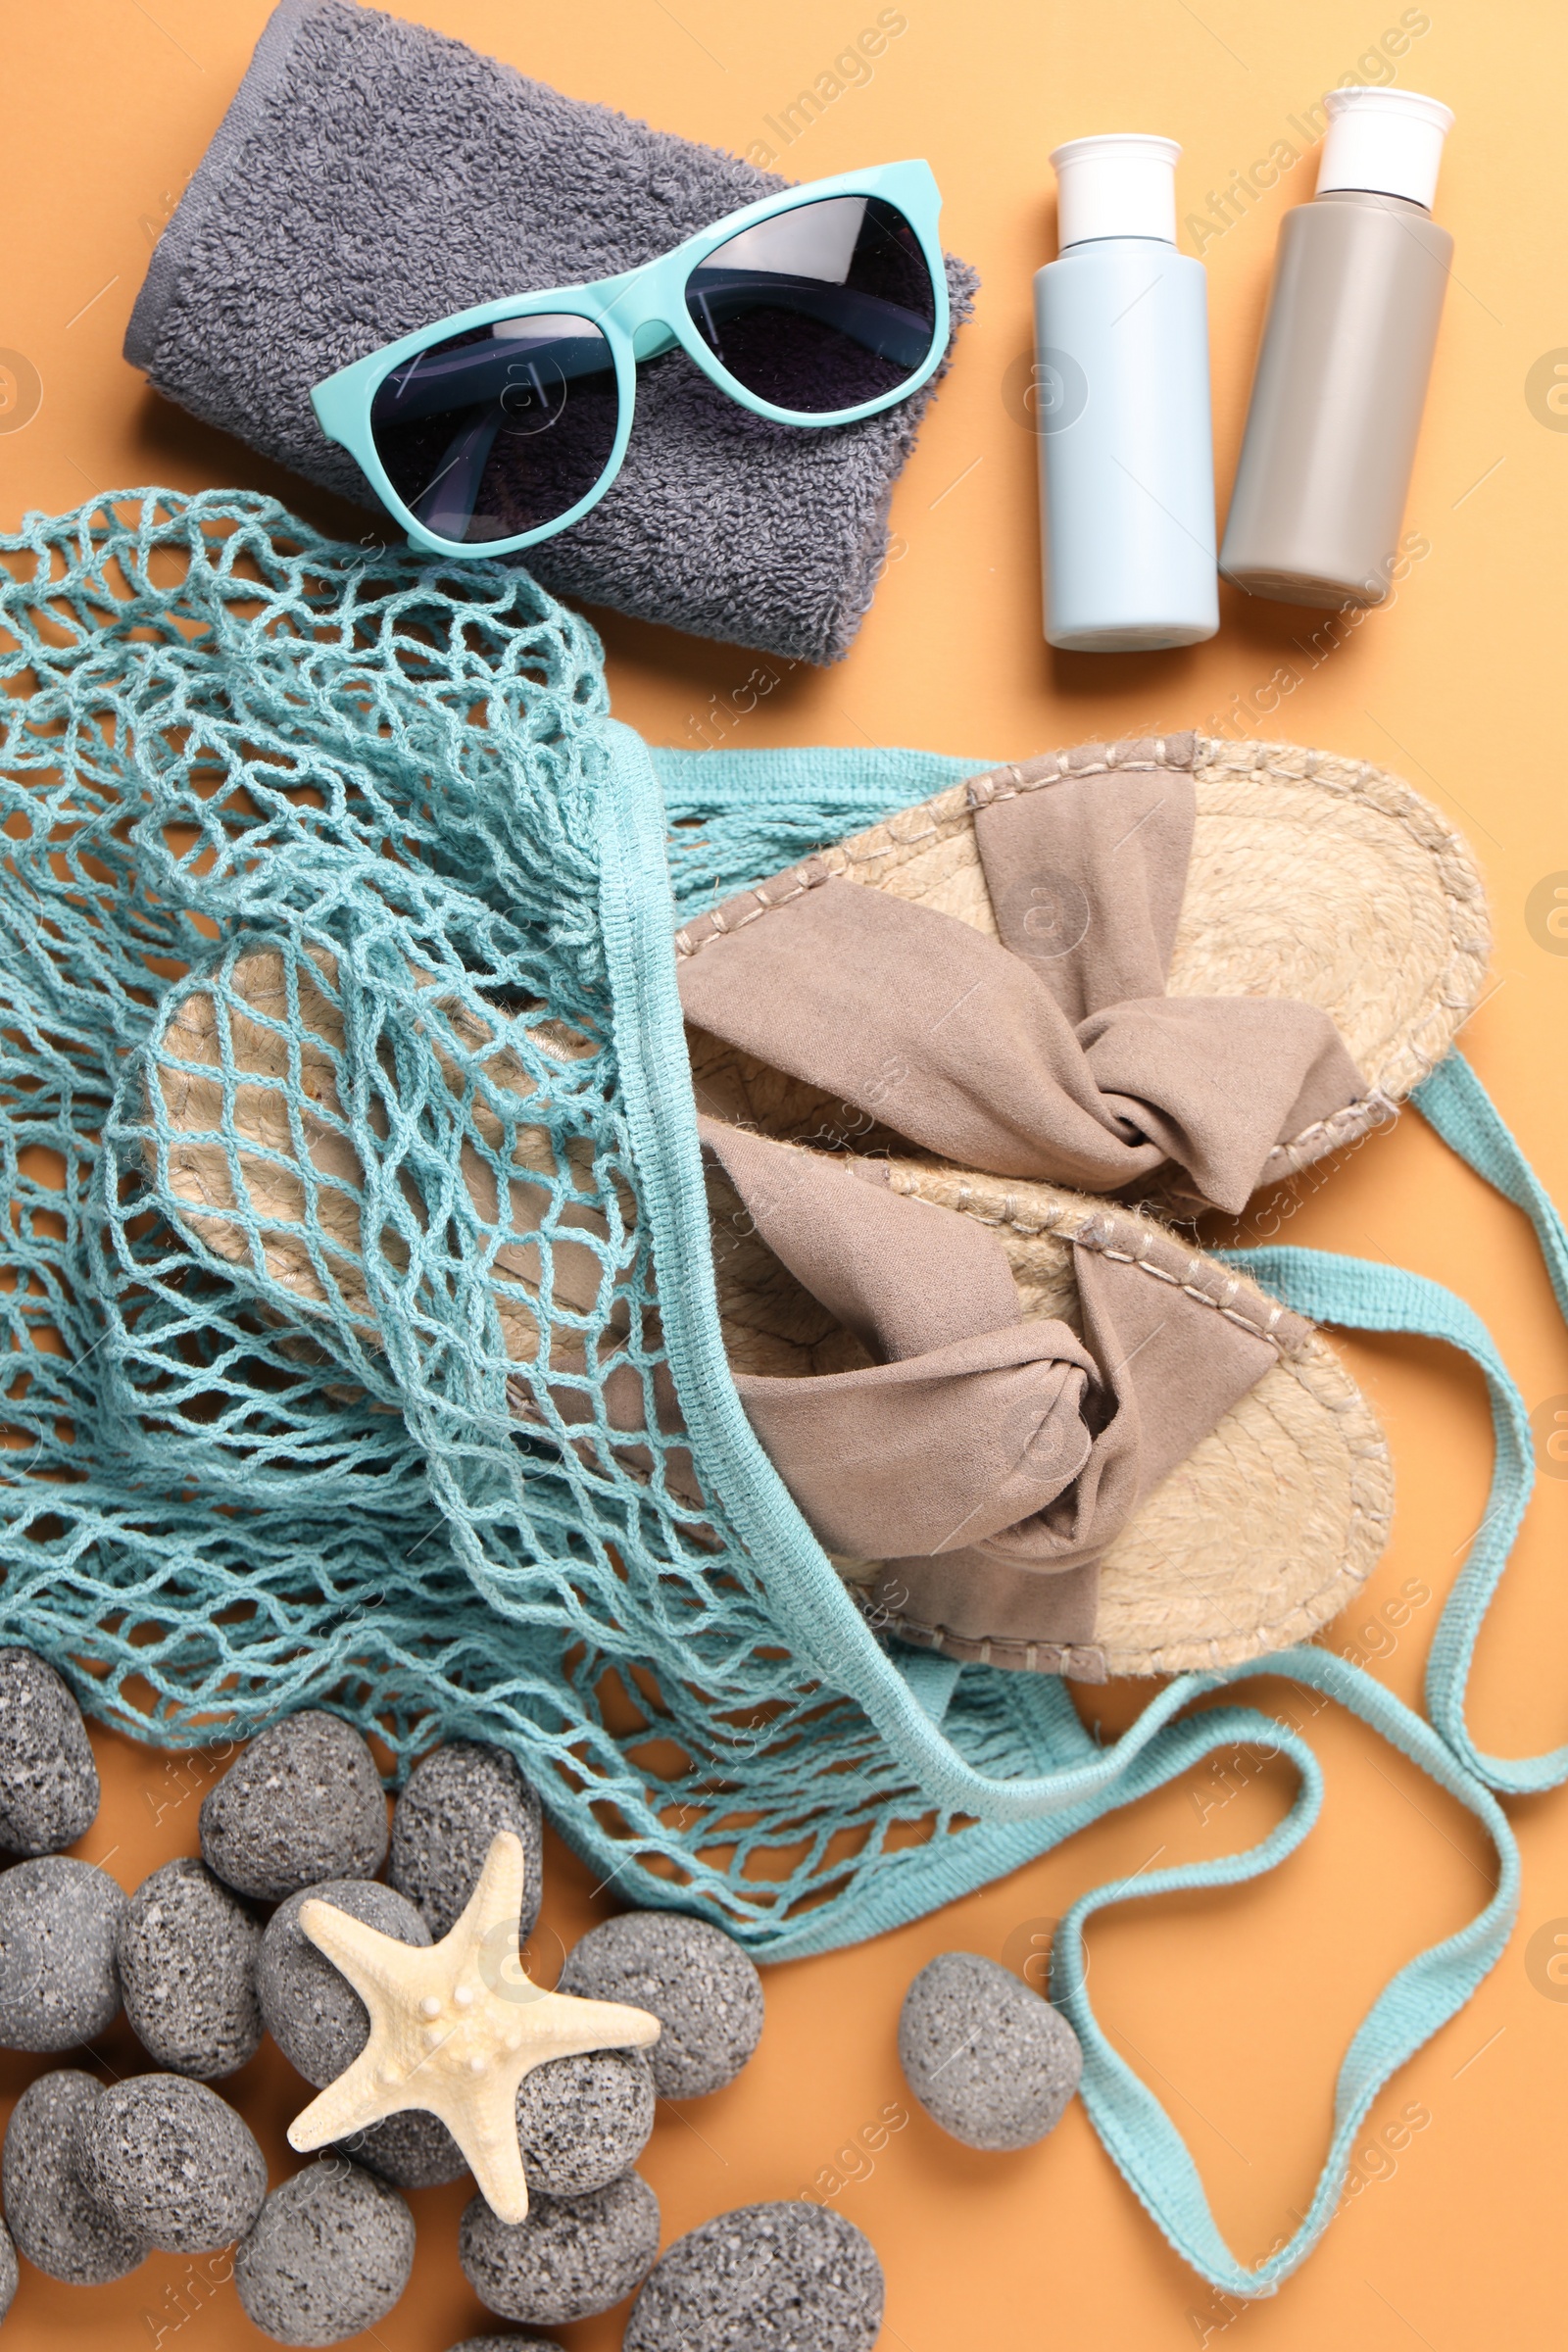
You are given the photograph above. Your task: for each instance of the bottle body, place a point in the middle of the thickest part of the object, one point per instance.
(1126, 460)
(1337, 400)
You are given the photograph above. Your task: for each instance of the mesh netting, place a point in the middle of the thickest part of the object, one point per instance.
(336, 1366)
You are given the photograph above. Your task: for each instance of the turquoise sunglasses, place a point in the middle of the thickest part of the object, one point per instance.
(503, 425)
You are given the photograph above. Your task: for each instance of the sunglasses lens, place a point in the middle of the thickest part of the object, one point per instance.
(500, 429)
(821, 308)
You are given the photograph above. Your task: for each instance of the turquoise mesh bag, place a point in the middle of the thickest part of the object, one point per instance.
(277, 1451)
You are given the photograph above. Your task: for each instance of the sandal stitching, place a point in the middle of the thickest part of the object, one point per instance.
(1266, 1320)
(1395, 800)
(720, 923)
(1082, 1661)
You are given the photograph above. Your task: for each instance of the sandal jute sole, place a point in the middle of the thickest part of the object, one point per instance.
(1311, 876)
(310, 1237)
(1262, 1535)
(1260, 1538)
(1276, 1518)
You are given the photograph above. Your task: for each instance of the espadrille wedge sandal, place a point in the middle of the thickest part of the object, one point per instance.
(1173, 968)
(1028, 1429)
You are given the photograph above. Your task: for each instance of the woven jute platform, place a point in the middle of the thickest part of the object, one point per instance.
(316, 1228)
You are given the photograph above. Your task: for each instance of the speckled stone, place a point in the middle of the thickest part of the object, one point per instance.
(584, 2120)
(186, 1953)
(313, 2013)
(303, 1803)
(571, 2257)
(59, 1923)
(413, 2150)
(454, 1805)
(508, 2343)
(171, 2161)
(794, 2277)
(8, 2269)
(48, 1780)
(696, 1979)
(56, 2225)
(331, 2255)
(987, 2058)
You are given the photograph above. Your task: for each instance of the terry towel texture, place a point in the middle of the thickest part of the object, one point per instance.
(372, 177)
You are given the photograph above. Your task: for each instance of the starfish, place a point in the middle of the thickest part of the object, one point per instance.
(454, 2027)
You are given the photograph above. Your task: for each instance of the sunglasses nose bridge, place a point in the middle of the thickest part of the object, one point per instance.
(651, 338)
(638, 300)
(641, 311)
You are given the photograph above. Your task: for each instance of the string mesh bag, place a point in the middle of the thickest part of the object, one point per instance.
(325, 874)
(362, 1340)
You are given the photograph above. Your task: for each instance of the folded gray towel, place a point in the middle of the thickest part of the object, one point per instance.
(371, 176)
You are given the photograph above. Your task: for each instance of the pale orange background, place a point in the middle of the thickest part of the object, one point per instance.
(1234, 2006)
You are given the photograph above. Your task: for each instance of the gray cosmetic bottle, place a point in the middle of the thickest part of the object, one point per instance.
(1341, 375)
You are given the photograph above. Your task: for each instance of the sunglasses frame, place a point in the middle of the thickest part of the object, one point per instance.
(640, 313)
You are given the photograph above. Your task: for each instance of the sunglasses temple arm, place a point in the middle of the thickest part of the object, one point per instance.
(446, 504)
(481, 372)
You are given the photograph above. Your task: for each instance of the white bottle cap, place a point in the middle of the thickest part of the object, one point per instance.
(1120, 186)
(1388, 141)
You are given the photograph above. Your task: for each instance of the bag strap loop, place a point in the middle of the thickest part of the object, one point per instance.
(1418, 1999)
(1362, 1297)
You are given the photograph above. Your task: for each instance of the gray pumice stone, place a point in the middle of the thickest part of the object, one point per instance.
(455, 1802)
(794, 2278)
(59, 1923)
(303, 1803)
(571, 2257)
(508, 2343)
(696, 1979)
(8, 2271)
(172, 2162)
(56, 2223)
(987, 2058)
(186, 1953)
(583, 2120)
(330, 2256)
(48, 1780)
(413, 2150)
(312, 2011)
